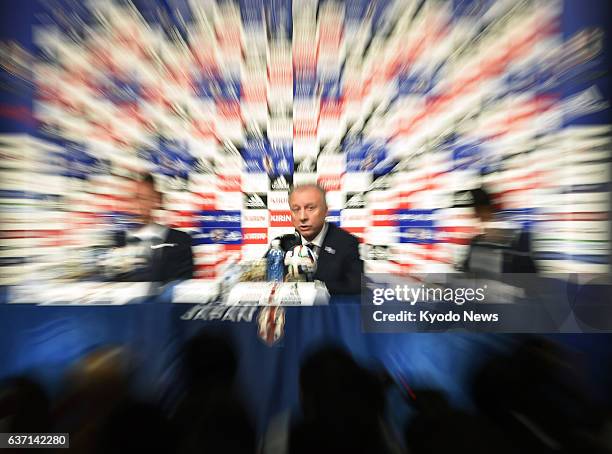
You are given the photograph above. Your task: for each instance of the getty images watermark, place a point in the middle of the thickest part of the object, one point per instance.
(512, 303)
(412, 295)
(409, 294)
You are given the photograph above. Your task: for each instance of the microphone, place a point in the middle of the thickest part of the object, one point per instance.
(301, 262)
(291, 239)
(287, 241)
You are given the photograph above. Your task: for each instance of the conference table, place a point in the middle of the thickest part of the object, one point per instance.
(45, 340)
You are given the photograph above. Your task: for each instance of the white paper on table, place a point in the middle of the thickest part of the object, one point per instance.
(279, 294)
(196, 292)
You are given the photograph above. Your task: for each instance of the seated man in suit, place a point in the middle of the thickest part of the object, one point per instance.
(158, 253)
(500, 248)
(337, 251)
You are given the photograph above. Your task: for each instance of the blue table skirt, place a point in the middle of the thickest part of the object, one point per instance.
(45, 340)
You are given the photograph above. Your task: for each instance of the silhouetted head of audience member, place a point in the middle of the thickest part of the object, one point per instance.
(135, 426)
(535, 394)
(438, 427)
(556, 396)
(209, 360)
(222, 425)
(431, 403)
(333, 384)
(100, 377)
(24, 406)
(211, 416)
(342, 405)
(92, 389)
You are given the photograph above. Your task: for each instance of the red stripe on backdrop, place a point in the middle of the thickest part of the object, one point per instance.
(456, 235)
(387, 218)
(359, 232)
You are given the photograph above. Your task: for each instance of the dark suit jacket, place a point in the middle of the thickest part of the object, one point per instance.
(516, 256)
(168, 263)
(339, 264)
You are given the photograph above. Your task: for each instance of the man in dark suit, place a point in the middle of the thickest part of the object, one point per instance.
(337, 251)
(159, 253)
(498, 249)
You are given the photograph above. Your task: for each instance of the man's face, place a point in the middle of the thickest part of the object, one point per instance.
(308, 211)
(483, 213)
(147, 199)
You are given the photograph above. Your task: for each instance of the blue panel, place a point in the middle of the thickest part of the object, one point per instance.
(365, 157)
(216, 219)
(333, 216)
(218, 235)
(416, 226)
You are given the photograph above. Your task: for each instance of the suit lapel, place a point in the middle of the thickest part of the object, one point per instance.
(323, 262)
(156, 257)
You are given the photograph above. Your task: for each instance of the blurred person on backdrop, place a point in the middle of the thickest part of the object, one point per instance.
(500, 247)
(157, 253)
(336, 251)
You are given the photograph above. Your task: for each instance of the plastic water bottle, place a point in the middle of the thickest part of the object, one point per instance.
(276, 262)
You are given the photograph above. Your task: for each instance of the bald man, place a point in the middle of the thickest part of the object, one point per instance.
(337, 251)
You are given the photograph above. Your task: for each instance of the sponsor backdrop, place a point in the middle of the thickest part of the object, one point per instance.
(392, 106)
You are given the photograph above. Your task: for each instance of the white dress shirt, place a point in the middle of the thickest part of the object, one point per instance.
(317, 240)
(148, 232)
(147, 235)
